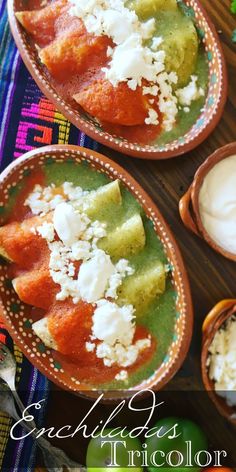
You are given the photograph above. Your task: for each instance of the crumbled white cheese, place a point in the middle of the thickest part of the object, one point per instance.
(78, 235)
(114, 282)
(186, 109)
(151, 90)
(73, 193)
(117, 25)
(33, 230)
(62, 272)
(113, 324)
(115, 327)
(122, 269)
(55, 201)
(190, 93)
(100, 17)
(71, 270)
(96, 230)
(148, 28)
(46, 230)
(132, 84)
(94, 276)
(167, 101)
(45, 199)
(78, 242)
(109, 51)
(68, 223)
(152, 117)
(222, 361)
(90, 346)
(172, 77)
(80, 251)
(169, 109)
(111, 18)
(156, 42)
(122, 375)
(59, 257)
(124, 356)
(131, 61)
(97, 274)
(38, 201)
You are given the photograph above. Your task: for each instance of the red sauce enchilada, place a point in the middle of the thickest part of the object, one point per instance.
(137, 67)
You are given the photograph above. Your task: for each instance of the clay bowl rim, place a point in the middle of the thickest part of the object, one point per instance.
(212, 323)
(217, 156)
(91, 131)
(102, 162)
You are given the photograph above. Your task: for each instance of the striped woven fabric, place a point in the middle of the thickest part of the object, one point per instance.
(27, 121)
(32, 386)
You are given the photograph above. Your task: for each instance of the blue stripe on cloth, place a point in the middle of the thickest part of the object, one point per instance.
(32, 387)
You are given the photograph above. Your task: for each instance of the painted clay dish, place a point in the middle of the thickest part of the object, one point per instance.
(213, 321)
(189, 203)
(206, 122)
(15, 313)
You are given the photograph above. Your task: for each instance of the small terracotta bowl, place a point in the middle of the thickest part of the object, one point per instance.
(16, 314)
(189, 203)
(205, 122)
(213, 321)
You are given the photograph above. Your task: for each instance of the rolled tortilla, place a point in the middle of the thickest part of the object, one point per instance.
(126, 240)
(141, 289)
(20, 243)
(36, 288)
(41, 330)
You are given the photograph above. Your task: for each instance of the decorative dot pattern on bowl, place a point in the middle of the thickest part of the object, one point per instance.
(17, 315)
(211, 112)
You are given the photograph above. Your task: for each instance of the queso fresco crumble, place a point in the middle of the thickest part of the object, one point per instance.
(71, 236)
(136, 66)
(132, 61)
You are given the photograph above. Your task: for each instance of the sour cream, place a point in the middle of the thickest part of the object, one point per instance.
(217, 203)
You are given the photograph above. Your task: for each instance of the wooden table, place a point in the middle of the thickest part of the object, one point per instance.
(212, 277)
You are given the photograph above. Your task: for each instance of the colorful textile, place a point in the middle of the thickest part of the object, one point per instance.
(27, 120)
(16, 456)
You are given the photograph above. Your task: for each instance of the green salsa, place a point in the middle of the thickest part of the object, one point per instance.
(185, 55)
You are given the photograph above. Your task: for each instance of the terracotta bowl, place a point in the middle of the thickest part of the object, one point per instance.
(189, 203)
(15, 313)
(214, 320)
(206, 122)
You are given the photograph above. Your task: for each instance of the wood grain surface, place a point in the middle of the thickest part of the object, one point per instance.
(211, 276)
